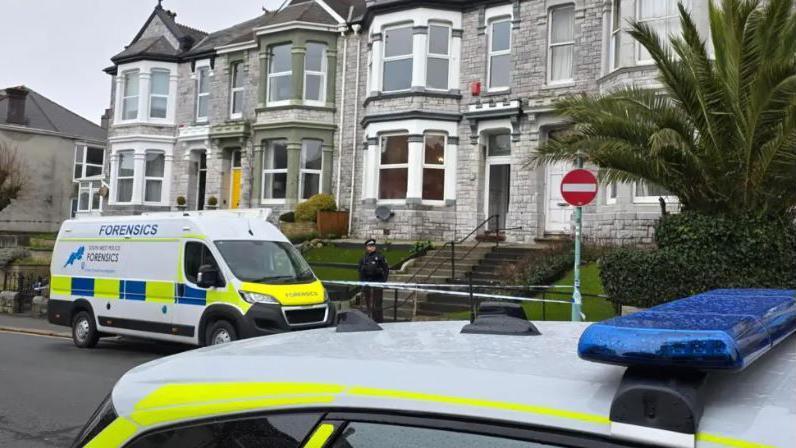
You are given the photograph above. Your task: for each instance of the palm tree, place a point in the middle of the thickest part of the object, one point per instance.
(721, 135)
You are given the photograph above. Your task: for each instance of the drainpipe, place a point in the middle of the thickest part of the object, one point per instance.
(341, 127)
(356, 28)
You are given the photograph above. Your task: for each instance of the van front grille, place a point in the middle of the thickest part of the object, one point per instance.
(305, 316)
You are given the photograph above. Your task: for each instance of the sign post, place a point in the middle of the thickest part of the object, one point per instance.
(578, 188)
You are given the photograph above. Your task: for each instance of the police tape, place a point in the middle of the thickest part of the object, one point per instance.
(415, 287)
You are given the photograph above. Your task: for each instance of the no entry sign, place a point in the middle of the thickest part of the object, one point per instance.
(579, 187)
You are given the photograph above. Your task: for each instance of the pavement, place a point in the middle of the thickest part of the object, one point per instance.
(49, 387)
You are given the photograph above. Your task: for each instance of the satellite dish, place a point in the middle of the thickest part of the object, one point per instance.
(383, 213)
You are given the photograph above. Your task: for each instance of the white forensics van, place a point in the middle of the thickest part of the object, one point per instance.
(195, 277)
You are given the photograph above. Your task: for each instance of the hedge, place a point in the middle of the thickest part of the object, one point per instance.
(697, 253)
(307, 210)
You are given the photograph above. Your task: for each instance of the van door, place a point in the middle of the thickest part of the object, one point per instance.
(191, 299)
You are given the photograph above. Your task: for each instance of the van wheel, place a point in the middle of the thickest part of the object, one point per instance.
(84, 330)
(220, 332)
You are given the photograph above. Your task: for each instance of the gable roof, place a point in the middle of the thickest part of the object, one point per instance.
(159, 47)
(44, 114)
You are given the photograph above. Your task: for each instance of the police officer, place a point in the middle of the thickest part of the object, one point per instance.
(373, 267)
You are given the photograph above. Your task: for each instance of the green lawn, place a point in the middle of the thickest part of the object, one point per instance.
(594, 308)
(334, 254)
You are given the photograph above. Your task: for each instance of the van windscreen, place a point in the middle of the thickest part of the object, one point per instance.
(265, 261)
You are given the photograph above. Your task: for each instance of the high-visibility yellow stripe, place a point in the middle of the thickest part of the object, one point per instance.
(289, 295)
(60, 284)
(177, 413)
(517, 407)
(106, 288)
(729, 441)
(197, 393)
(114, 435)
(161, 292)
(320, 436)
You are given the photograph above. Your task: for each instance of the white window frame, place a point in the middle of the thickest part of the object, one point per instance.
(88, 186)
(650, 199)
(434, 166)
(159, 95)
(83, 163)
(322, 74)
(271, 75)
(199, 94)
(614, 46)
(124, 99)
(265, 171)
(303, 170)
(385, 59)
(234, 68)
(447, 57)
(674, 15)
(118, 177)
(381, 166)
(148, 179)
(611, 193)
(491, 54)
(551, 45)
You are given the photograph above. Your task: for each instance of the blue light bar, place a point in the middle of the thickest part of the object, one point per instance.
(723, 329)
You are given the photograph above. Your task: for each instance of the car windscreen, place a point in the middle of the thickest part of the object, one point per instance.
(265, 261)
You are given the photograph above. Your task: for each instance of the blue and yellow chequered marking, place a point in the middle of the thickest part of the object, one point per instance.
(141, 291)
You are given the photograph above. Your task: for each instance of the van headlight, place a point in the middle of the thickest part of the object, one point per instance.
(256, 297)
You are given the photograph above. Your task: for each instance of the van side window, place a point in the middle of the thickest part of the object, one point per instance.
(196, 256)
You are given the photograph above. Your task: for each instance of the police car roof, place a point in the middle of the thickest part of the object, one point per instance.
(213, 224)
(432, 367)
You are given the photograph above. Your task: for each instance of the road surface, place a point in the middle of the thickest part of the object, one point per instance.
(49, 387)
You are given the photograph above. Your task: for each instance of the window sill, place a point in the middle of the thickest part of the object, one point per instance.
(558, 85)
(653, 200)
(497, 91)
(144, 122)
(273, 201)
(327, 107)
(419, 92)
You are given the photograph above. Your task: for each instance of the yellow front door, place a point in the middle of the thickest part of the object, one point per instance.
(234, 195)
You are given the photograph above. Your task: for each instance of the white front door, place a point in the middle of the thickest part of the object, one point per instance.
(557, 213)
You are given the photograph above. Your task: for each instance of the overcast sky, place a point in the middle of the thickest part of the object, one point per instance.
(59, 47)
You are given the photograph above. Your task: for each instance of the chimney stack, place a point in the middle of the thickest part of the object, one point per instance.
(16, 105)
(105, 120)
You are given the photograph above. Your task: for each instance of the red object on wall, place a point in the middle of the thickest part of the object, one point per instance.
(475, 88)
(579, 187)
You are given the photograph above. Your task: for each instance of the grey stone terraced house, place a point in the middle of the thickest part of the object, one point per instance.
(430, 108)
(61, 156)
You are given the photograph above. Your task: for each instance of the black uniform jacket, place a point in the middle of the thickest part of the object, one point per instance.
(373, 268)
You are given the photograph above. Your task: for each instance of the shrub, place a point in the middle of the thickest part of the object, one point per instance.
(421, 247)
(212, 201)
(287, 217)
(307, 210)
(181, 200)
(302, 237)
(697, 253)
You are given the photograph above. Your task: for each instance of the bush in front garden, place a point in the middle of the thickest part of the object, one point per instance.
(307, 210)
(697, 253)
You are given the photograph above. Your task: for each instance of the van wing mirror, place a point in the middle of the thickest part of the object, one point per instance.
(208, 277)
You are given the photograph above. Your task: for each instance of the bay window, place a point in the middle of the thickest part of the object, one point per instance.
(315, 72)
(438, 61)
(660, 15)
(125, 175)
(311, 164)
(236, 90)
(202, 93)
(89, 162)
(130, 95)
(393, 166)
(561, 43)
(434, 167)
(499, 63)
(159, 93)
(275, 170)
(280, 73)
(397, 73)
(153, 176)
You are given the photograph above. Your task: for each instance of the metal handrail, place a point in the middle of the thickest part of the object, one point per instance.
(452, 243)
